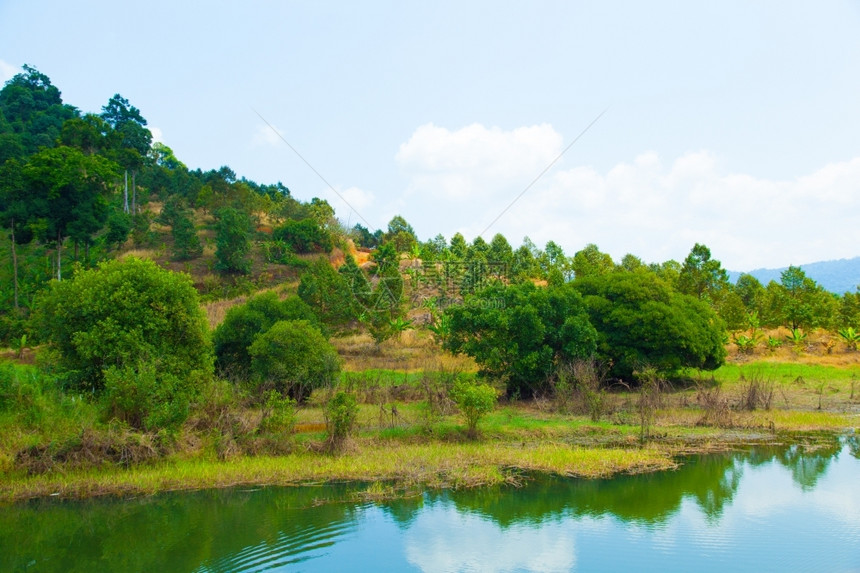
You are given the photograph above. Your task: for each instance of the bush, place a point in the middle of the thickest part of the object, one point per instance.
(146, 398)
(234, 337)
(518, 333)
(124, 314)
(341, 412)
(305, 236)
(474, 401)
(642, 321)
(294, 358)
(279, 413)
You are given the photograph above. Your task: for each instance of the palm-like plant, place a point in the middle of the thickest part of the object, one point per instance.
(850, 337)
(797, 338)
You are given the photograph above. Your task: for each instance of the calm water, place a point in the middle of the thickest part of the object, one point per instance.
(784, 509)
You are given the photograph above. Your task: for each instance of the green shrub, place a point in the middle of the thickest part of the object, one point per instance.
(305, 236)
(294, 358)
(474, 401)
(235, 335)
(145, 397)
(279, 413)
(122, 314)
(341, 412)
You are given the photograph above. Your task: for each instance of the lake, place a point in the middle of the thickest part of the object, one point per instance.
(763, 509)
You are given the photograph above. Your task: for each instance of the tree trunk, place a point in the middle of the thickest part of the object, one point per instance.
(15, 265)
(76, 250)
(133, 193)
(59, 257)
(125, 193)
(87, 253)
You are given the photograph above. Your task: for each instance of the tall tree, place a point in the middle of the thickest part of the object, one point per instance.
(233, 241)
(590, 261)
(133, 139)
(701, 276)
(68, 194)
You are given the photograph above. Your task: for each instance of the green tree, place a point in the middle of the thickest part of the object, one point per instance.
(305, 236)
(233, 241)
(68, 194)
(590, 262)
(474, 401)
(243, 323)
(701, 276)
(642, 321)
(517, 333)
(125, 314)
(328, 293)
(401, 234)
(186, 243)
(294, 358)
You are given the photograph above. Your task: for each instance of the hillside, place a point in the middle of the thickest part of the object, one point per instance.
(839, 276)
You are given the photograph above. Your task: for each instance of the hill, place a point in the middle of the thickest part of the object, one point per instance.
(838, 276)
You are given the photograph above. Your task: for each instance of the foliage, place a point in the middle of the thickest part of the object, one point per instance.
(850, 337)
(124, 314)
(305, 236)
(591, 262)
(233, 241)
(641, 320)
(517, 333)
(577, 387)
(294, 358)
(279, 413)
(144, 397)
(243, 323)
(797, 338)
(341, 413)
(474, 400)
(186, 243)
(701, 276)
(328, 293)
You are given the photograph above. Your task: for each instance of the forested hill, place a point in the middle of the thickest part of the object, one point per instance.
(838, 276)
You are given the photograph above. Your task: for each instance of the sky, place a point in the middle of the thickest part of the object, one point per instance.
(641, 127)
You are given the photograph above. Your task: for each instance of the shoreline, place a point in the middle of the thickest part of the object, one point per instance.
(393, 468)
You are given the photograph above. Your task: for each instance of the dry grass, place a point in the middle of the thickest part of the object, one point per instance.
(412, 351)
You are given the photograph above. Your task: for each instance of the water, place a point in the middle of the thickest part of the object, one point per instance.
(785, 509)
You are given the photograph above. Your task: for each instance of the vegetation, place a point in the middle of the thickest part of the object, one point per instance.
(362, 343)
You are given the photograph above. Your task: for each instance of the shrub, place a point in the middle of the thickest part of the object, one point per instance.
(641, 320)
(145, 397)
(577, 387)
(124, 314)
(234, 337)
(341, 412)
(518, 333)
(474, 401)
(294, 358)
(305, 236)
(279, 413)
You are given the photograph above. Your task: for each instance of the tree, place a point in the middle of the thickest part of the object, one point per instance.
(122, 315)
(67, 193)
(590, 262)
(233, 241)
(517, 333)
(293, 357)
(243, 323)
(132, 142)
(642, 322)
(305, 236)
(701, 276)
(474, 401)
(802, 302)
(186, 243)
(14, 213)
(401, 234)
(328, 293)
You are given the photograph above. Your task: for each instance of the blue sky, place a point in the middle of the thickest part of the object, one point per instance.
(733, 123)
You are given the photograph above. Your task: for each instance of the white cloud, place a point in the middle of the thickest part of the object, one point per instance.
(475, 160)
(267, 135)
(157, 134)
(649, 207)
(7, 72)
(443, 539)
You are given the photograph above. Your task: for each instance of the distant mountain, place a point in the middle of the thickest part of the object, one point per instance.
(839, 276)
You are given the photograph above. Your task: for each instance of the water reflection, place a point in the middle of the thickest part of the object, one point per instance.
(803, 503)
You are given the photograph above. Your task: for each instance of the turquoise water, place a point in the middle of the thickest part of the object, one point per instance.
(777, 509)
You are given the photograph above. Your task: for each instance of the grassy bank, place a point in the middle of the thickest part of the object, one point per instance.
(52, 443)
